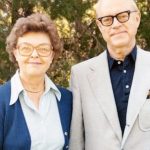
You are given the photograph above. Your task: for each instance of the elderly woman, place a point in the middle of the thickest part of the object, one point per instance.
(35, 114)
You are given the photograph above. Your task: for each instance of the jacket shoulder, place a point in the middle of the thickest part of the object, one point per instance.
(5, 92)
(83, 66)
(143, 52)
(62, 89)
(65, 93)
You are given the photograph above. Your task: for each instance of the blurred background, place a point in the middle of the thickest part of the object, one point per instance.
(75, 20)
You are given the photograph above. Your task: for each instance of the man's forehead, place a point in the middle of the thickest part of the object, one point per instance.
(124, 2)
(111, 7)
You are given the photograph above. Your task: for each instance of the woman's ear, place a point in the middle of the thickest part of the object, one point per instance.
(52, 56)
(15, 53)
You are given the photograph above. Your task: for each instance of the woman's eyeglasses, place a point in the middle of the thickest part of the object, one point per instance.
(26, 49)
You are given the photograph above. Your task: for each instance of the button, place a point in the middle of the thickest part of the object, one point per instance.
(66, 133)
(127, 86)
(67, 147)
(127, 125)
(119, 62)
(124, 71)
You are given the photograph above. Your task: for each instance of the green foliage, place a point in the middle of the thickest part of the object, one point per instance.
(144, 31)
(70, 9)
(75, 20)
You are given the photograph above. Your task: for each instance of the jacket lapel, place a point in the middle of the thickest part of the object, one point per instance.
(139, 90)
(99, 79)
(65, 113)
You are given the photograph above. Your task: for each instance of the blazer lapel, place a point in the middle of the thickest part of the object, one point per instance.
(99, 79)
(139, 91)
(65, 113)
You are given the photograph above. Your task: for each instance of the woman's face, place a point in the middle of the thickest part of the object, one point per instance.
(34, 54)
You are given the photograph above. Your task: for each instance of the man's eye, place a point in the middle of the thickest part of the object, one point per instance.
(107, 19)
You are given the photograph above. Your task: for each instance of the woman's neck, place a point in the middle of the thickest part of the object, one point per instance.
(32, 84)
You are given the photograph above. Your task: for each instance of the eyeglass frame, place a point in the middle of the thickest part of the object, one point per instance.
(35, 48)
(115, 16)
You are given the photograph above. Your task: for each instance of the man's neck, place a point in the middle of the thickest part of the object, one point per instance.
(119, 53)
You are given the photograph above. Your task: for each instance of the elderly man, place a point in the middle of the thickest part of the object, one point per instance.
(111, 91)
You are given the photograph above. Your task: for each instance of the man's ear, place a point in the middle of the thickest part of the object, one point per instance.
(98, 24)
(138, 18)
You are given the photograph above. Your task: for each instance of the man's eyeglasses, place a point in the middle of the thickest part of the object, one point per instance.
(26, 49)
(121, 17)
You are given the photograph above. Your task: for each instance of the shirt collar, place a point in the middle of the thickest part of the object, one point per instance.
(16, 90)
(50, 86)
(112, 60)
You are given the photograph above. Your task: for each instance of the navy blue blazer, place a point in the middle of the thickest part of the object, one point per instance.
(14, 134)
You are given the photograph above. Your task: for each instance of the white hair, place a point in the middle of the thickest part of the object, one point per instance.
(99, 3)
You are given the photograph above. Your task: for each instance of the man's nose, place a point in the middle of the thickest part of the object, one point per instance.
(116, 23)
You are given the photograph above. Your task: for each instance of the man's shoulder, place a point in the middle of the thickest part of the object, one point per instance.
(85, 64)
(142, 50)
(143, 53)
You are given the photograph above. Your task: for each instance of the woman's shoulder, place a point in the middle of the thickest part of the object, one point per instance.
(5, 87)
(65, 93)
(5, 92)
(63, 89)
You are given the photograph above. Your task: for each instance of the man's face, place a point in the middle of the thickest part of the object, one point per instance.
(118, 35)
